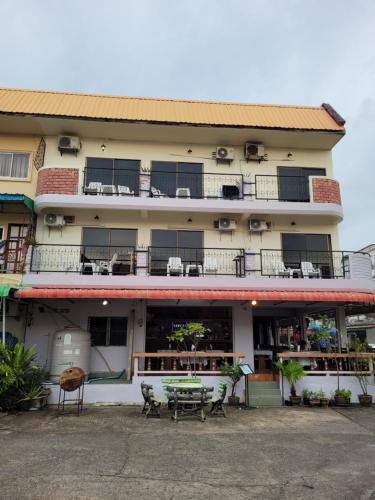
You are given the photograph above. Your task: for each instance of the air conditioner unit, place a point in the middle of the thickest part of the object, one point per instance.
(224, 154)
(254, 151)
(69, 144)
(258, 225)
(225, 224)
(53, 220)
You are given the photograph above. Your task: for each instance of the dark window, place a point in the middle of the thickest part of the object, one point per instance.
(102, 244)
(113, 172)
(108, 331)
(163, 321)
(315, 248)
(168, 176)
(188, 245)
(294, 182)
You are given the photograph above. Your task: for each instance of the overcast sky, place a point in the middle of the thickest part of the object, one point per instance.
(263, 51)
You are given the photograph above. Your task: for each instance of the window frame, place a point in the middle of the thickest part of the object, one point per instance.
(113, 169)
(108, 331)
(15, 152)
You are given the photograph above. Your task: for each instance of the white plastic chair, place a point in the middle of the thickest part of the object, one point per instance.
(309, 271)
(281, 271)
(125, 191)
(183, 193)
(107, 267)
(88, 268)
(194, 269)
(93, 188)
(108, 189)
(210, 265)
(175, 266)
(156, 193)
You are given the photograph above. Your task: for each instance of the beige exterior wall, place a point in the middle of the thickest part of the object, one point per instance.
(20, 144)
(148, 152)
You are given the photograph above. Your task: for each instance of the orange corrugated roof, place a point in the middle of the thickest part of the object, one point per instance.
(91, 106)
(292, 296)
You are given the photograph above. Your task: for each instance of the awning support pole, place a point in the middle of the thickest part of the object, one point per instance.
(3, 336)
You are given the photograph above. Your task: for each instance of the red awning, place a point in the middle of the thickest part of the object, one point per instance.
(293, 296)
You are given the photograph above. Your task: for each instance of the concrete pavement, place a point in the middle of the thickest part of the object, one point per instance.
(113, 453)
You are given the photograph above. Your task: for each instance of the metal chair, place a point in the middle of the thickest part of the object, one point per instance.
(151, 406)
(217, 402)
(107, 267)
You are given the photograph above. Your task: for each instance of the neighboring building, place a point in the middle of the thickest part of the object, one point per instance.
(180, 210)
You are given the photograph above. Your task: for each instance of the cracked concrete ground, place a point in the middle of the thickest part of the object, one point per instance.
(114, 453)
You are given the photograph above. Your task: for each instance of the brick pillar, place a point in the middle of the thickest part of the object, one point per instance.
(57, 181)
(325, 190)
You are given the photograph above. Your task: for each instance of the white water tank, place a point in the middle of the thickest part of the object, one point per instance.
(71, 347)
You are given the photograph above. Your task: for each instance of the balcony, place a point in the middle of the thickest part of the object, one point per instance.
(84, 260)
(186, 262)
(188, 191)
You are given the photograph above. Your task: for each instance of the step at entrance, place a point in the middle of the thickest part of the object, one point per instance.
(264, 394)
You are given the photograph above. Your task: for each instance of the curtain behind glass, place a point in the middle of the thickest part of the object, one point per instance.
(20, 165)
(5, 164)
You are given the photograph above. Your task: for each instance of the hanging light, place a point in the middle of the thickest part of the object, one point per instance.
(105, 302)
(254, 302)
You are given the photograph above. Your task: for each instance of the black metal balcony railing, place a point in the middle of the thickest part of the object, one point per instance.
(282, 188)
(172, 261)
(196, 185)
(304, 264)
(191, 262)
(83, 259)
(111, 182)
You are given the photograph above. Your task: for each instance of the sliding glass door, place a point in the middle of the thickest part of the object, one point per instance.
(113, 172)
(166, 244)
(169, 177)
(314, 248)
(294, 182)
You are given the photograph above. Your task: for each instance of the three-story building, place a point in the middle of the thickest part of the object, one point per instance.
(152, 213)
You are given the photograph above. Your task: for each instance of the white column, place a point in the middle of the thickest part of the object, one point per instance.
(341, 325)
(243, 332)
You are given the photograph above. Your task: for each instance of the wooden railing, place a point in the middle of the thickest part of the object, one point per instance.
(206, 363)
(329, 363)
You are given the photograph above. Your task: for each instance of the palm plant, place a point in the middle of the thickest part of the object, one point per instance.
(293, 371)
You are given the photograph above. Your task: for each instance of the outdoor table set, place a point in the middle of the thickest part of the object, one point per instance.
(185, 398)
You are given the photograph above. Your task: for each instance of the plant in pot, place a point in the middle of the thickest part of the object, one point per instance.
(314, 399)
(33, 394)
(15, 367)
(342, 397)
(293, 371)
(235, 374)
(187, 338)
(306, 394)
(324, 333)
(324, 401)
(361, 368)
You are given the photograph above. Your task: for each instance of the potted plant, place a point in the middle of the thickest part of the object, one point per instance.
(293, 371)
(188, 337)
(306, 394)
(314, 399)
(324, 401)
(361, 368)
(235, 374)
(34, 395)
(342, 397)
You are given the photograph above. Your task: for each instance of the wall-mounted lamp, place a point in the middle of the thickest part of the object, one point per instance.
(96, 217)
(189, 151)
(292, 223)
(105, 302)
(190, 219)
(103, 146)
(254, 302)
(289, 155)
